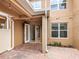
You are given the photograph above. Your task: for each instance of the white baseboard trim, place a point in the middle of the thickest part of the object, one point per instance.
(10, 49)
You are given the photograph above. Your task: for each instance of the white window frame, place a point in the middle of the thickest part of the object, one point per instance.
(60, 30)
(7, 22)
(58, 4)
(7, 19)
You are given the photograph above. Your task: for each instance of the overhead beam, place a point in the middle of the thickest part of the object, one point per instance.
(26, 13)
(38, 16)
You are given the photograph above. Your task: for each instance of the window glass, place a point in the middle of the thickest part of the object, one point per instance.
(63, 33)
(36, 5)
(55, 26)
(54, 33)
(54, 7)
(3, 22)
(54, 2)
(62, 1)
(62, 6)
(58, 4)
(63, 26)
(59, 30)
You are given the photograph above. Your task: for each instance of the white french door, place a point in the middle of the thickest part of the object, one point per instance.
(12, 34)
(37, 33)
(26, 33)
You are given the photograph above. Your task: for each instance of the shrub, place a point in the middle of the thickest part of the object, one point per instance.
(60, 44)
(55, 44)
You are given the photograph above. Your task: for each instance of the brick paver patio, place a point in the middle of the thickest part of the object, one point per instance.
(33, 51)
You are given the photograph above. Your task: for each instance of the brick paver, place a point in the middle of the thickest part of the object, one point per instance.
(33, 51)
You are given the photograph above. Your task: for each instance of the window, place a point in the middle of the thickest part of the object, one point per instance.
(36, 5)
(58, 4)
(59, 30)
(3, 22)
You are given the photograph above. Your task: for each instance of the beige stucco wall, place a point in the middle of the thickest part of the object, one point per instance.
(62, 16)
(76, 31)
(18, 33)
(76, 23)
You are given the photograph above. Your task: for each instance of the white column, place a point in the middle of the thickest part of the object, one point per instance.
(44, 34)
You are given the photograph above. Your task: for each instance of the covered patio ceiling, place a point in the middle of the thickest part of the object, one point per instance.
(19, 9)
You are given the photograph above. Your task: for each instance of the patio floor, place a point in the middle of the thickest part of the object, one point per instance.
(32, 51)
